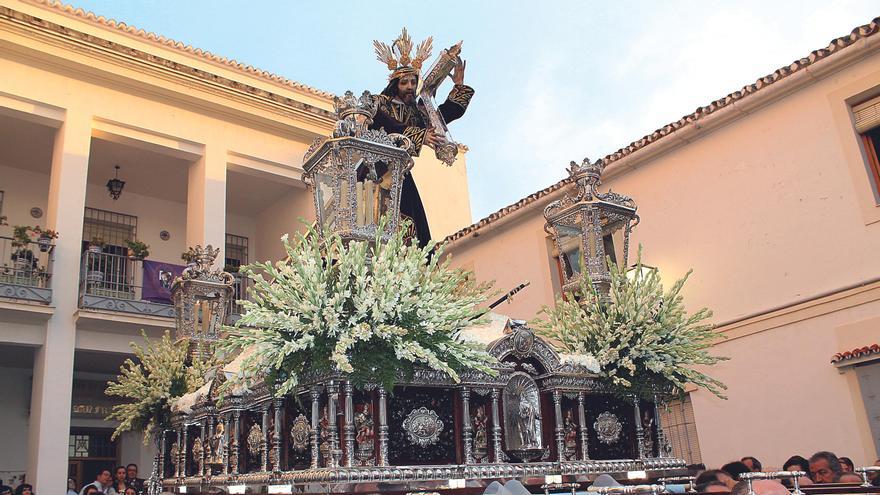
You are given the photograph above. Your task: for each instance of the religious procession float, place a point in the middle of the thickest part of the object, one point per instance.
(364, 363)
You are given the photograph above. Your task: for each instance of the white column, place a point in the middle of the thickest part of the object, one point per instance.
(206, 200)
(49, 426)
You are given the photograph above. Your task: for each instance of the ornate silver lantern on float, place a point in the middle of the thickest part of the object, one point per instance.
(356, 175)
(588, 226)
(201, 297)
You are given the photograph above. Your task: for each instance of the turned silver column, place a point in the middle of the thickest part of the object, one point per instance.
(316, 438)
(348, 431)
(661, 435)
(560, 435)
(207, 431)
(640, 432)
(582, 425)
(184, 451)
(264, 451)
(236, 446)
(276, 434)
(160, 466)
(225, 444)
(467, 428)
(383, 429)
(332, 397)
(496, 427)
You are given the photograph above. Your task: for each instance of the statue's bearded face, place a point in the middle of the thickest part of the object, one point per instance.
(406, 88)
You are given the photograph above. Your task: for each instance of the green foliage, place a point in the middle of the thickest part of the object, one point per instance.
(138, 249)
(151, 383)
(641, 336)
(366, 309)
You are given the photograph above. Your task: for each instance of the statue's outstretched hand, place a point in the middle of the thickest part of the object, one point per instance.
(432, 138)
(458, 71)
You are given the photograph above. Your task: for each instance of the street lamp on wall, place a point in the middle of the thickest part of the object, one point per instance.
(114, 185)
(356, 175)
(588, 226)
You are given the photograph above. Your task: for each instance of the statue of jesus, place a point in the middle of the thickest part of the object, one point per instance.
(400, 111)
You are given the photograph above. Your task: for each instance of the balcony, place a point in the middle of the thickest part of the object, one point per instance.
(113, 282)
(26, 271)
(239, 292)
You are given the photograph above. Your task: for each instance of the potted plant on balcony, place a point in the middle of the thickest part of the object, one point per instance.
(189, 256)
(22, 256)
(137, 250)
(96, 245)
(45, 238)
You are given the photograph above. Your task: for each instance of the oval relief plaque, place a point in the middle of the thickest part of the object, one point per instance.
(423, 427)
(608, 428)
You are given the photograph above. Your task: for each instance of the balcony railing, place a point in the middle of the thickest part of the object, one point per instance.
(239, 292)
(26, 271)
(114, 282)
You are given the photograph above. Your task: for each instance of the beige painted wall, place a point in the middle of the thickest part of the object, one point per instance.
(23, 190)
(444, 192)
(768, 210)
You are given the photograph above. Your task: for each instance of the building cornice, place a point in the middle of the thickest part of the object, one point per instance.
(167, 43)
(151, 64)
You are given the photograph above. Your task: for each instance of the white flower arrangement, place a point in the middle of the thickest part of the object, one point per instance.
(370, 310)
(641, 338)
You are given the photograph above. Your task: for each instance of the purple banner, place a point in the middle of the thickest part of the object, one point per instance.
(158, 278)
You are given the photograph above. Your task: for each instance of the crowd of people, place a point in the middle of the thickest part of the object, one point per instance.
(821, 467)
(121, 481)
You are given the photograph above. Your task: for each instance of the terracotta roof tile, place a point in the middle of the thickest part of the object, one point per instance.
(177, 45)
(855, 353)
(835, 46)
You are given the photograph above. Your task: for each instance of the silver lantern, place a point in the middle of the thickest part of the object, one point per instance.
(588, 226)
(201, 297)
(356, 175)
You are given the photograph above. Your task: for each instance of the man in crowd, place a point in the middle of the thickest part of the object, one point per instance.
(713, 477)
(132, 479)
(753, 464)
(735, 468)
(102, 482)
(824, 467)
(760, 487)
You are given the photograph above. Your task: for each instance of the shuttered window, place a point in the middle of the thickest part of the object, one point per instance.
(867, 122)
(867, 115)
(677, 418)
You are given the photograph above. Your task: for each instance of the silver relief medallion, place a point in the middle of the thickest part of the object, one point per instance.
(423, 427)
(607, 428)
(299, 434)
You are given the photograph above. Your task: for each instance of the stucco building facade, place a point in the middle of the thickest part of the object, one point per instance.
(210, 151)
(771, 195)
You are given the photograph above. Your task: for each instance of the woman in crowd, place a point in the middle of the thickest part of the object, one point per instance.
(118, 485)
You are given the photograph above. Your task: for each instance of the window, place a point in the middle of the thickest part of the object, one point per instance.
(677, 418)
(114, 229)
(867, 122)
(236, 252)
(236, 256)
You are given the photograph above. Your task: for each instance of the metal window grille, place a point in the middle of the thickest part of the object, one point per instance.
(83, 444)
(236, 256)
(236, 251)
(114, 228)
(681, 430)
